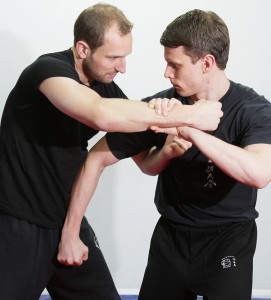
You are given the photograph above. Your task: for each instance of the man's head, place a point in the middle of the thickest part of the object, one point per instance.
(200, 32)
(94, 21)
(102, 39)
(196, 49)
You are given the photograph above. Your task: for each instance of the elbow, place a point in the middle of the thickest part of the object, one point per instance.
(103, 123)
(148, 171)
(151, 173)
(260, 182)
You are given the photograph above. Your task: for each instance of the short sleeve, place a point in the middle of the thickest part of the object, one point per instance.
(257, 123)
(124, 145)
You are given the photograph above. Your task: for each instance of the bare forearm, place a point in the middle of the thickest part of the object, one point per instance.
(99, 157)
(83, 190)
(152, 162)
(250, 166)
(131, 116)
(114, 114)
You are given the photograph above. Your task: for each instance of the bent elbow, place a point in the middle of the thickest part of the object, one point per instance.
(261, 182)
(148, 172)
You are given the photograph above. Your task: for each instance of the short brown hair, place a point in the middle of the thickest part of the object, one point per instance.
(92, 23)
(200, 32)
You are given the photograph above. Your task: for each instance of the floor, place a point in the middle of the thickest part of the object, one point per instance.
(133, 297)
(123, 297)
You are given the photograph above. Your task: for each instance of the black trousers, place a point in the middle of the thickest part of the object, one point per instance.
(184, 262)
(28, 265)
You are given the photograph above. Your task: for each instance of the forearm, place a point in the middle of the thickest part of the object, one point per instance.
(108, 114)
(132, 116)
(114, 114)
(99, 157)
(152, 162)
(250, 166)
(82, 192)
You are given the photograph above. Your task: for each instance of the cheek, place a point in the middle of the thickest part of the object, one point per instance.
(107, 65)
(184, 76)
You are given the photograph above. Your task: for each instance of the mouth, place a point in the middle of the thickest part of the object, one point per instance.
(113, 75)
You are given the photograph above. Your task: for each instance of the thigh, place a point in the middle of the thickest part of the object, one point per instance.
(91, 280)
(165, 273)
(25, 256)
(230, 263)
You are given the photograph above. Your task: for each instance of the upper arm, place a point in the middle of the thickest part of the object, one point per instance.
(262, 152)
(101, 154)
(139, 159)
(262, 157)
(72, 98)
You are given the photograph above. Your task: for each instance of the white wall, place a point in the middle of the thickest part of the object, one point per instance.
(122, 211)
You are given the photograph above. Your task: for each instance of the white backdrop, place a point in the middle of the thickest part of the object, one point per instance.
(122, 211)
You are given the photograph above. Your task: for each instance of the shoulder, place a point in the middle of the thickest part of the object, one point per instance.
(59, 64)
(244, 101)
(247, 95)
(54, 64)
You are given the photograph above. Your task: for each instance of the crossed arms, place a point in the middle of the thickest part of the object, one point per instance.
(119, 115)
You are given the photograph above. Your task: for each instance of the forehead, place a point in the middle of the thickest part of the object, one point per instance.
(115, 40)
(176, 55)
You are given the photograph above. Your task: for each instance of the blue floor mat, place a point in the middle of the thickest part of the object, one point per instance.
(123, 297)
(133, 297)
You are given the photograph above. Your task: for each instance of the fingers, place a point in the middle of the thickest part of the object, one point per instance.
(180, 146)
(169, 131)
(73, 259)
(163, 106)
(182, 142)
(157, 105)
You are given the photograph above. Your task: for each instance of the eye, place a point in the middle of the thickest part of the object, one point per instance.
(174, 67)
(113, 57)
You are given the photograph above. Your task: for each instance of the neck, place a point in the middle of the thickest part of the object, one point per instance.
(215, 89)
(78, 63)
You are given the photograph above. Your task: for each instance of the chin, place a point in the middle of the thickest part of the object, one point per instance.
(107, 81)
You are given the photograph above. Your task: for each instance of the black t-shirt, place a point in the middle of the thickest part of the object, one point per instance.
(41, 149)
(192, 190)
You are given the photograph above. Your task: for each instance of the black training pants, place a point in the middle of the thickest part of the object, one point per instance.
(214, 262)
(28, 265)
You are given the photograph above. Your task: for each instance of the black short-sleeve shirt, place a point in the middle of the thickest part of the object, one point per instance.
(192, 190)
(41, 149)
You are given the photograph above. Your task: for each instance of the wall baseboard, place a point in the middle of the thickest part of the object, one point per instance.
(264, 294)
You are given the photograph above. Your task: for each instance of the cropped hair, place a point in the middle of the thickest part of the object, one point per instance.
(93, 22)
(200, 32)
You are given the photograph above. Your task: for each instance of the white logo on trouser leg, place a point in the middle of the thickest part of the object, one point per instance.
(228, 262)
(96, 242)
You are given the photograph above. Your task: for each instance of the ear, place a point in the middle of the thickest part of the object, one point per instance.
(82, 49)
(208, 63)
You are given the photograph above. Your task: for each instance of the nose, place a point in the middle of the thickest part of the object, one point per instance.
(121, 65)
(168, 72)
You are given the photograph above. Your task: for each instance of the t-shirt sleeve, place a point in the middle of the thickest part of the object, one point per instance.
(47, 67)
(124, 145)
(256, 122)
